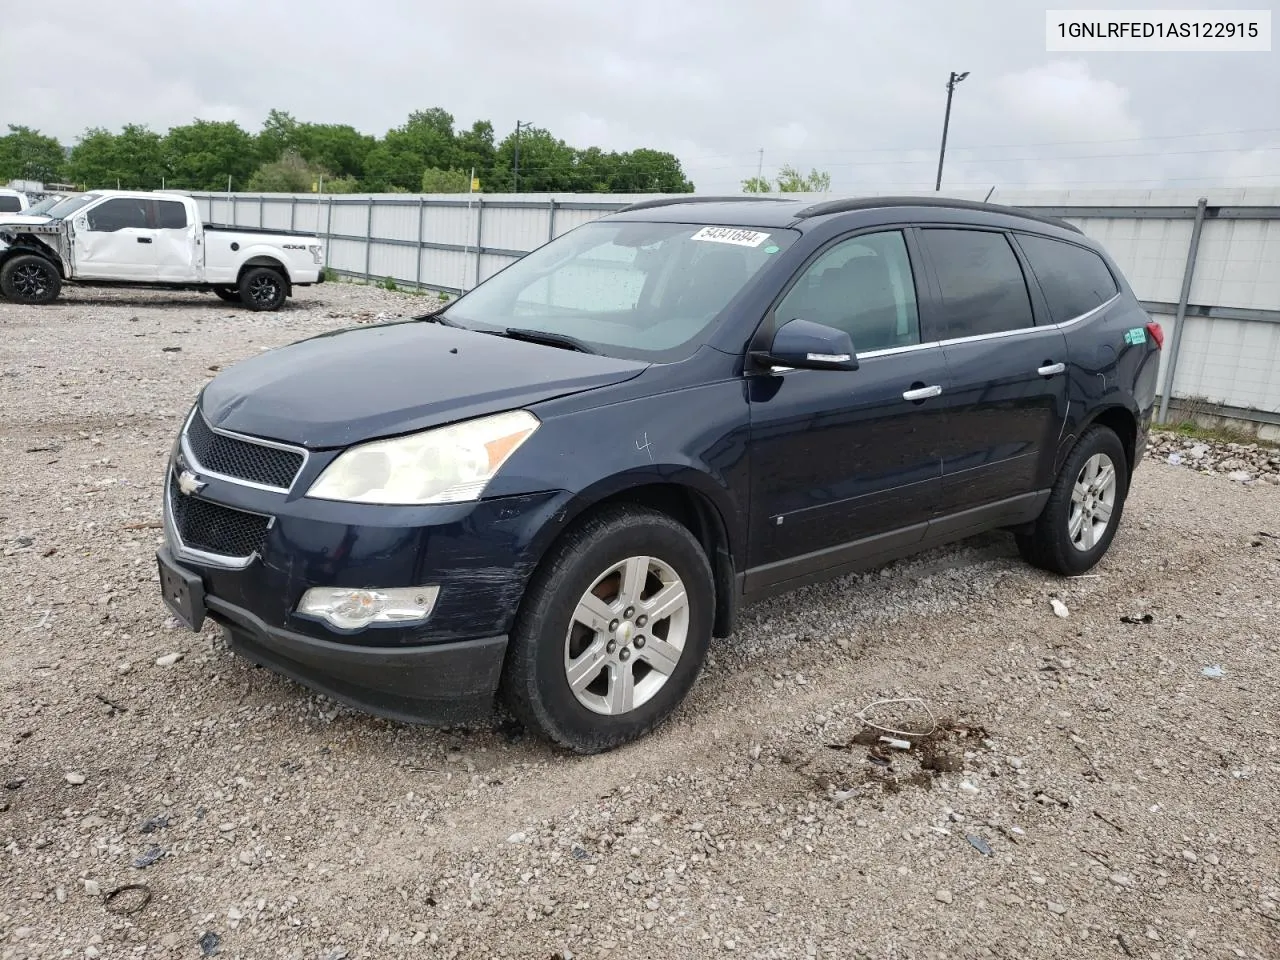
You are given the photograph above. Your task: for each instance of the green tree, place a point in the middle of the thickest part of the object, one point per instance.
(648, 171)
(546, 163)
(279, 134)
(791, 180)
(476, 151)
(27, 154)
(289, 174)
(336, 147)
(435, 180)
(203, 154)
(133, 158)
(425, 140)
(756, 185)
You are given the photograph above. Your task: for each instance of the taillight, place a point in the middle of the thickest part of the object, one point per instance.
(1157, 334)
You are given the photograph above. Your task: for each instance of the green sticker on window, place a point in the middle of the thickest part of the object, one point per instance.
(771, 248)
(1135, 335)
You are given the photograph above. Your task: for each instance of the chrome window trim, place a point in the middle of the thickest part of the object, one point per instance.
(190, 553)
(243, 438)
(998, 335)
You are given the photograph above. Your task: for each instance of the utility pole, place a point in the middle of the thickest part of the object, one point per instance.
(946, 121)
(515, 165)
(760, 165)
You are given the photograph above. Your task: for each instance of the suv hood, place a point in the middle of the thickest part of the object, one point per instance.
(362, 384)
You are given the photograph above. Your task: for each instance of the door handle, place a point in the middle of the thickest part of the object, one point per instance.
(922, 393)
(1051, 369)
(144, 239)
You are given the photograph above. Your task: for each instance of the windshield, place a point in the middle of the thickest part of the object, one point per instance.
(626, 288)
(44, 206)
(65, 208)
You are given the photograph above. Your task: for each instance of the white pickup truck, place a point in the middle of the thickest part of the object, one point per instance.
(150, 239)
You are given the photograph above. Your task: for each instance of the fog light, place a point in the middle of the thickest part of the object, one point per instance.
(350, 609)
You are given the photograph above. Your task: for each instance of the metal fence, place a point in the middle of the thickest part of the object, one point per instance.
(1206, 267)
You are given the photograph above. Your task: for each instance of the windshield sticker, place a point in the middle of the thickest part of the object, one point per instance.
(771, 248)
(741, 238)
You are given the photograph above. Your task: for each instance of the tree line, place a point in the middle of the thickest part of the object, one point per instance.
(426, 153)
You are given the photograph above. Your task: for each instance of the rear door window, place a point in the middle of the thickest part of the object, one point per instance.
(171, 215)
(118, 213)
(1073, 278)
(981, 283)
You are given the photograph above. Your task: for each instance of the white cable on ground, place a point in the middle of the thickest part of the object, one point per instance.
(933, 721)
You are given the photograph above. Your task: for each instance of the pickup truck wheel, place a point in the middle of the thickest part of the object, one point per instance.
(1079, 521)
(612, 631)
(30, 279)
(230, 294)
(262, 288)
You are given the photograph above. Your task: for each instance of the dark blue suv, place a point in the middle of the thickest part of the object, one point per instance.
(560, 487)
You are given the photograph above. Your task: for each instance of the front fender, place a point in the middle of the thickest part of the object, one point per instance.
(594, 452)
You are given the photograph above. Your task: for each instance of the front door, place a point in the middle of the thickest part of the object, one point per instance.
(1008, 398)
(845, 464)
(114, 241)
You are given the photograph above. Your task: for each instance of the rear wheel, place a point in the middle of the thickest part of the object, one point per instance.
(230, 294)
(28, 278)
(263, 288)
(1079, 522)
(612, 631)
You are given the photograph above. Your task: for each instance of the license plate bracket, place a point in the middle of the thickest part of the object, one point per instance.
(183, 593)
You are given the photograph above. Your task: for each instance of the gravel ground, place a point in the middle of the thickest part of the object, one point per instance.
(1090, 792)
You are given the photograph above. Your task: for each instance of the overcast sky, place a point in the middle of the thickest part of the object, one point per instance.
(854, 88)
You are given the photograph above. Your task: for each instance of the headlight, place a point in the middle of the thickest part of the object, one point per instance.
(446, 465)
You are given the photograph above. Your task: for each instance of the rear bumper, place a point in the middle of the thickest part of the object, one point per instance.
(440, 683)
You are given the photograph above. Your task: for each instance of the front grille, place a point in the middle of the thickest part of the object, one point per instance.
(212, 528)
(242, 459)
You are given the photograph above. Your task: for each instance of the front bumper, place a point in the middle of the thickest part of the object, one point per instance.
(438, 683)
(441, 670)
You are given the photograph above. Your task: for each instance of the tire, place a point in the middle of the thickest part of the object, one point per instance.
(662, 657)
(1073, 533)
(263, 288)
(230, 294)
(28, 278)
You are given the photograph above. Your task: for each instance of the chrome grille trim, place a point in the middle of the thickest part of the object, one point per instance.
(195, 463)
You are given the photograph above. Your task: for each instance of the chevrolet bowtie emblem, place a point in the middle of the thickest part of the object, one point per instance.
(189, 483)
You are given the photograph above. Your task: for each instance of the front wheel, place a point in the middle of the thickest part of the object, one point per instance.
(28, 278)
(612, 631)
(1079, 521)
(262, 288)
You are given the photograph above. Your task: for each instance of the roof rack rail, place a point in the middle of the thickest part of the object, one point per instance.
(691, 198)
(847, 204)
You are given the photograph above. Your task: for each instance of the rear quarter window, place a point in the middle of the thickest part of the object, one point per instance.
(1074, 279)
(10, 205)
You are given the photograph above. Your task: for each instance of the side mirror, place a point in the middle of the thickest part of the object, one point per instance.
(806, 345)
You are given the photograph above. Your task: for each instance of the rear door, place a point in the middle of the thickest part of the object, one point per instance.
(845, 464)
(1007, 403)
(114, 241)
(175, 243)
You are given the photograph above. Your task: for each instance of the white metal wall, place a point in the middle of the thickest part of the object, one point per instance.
(450, 242)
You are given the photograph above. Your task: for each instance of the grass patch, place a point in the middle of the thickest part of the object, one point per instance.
(1194, 431)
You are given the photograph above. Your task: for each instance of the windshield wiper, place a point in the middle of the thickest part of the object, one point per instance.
(437, 316)
(563, 341)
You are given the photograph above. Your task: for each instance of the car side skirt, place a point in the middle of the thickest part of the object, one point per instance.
(782, 576)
